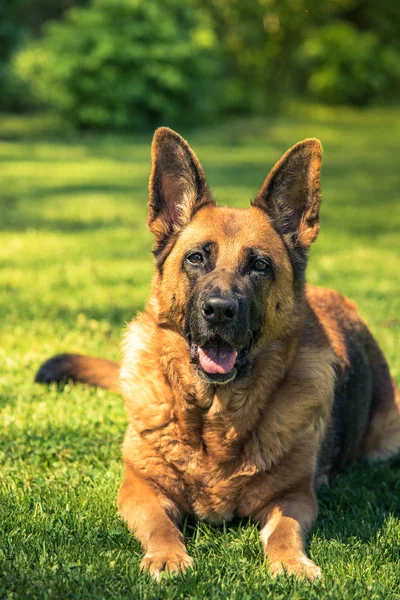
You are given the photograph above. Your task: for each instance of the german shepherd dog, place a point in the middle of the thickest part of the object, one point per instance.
(244, 387)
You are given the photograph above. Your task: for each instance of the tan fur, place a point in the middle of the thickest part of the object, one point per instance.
(249, 448)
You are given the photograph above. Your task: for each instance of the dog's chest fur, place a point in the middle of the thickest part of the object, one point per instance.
(207, 469)
(210, 469)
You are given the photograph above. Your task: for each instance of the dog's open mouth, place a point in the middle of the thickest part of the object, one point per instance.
(218, 361)
(216, 358)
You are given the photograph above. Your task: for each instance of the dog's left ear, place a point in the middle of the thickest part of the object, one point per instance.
(291, 194)
(177, 186)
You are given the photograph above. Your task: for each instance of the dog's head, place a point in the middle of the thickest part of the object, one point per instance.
(230, 280)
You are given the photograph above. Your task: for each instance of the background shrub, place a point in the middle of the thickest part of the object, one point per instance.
(138, 63)
(336, 51)
(21, 21)
(347, 66)
(12, 35)
(125, 63)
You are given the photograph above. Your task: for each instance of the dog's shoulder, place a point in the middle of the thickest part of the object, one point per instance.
(147, 397)
(338, 320)
(330, 303)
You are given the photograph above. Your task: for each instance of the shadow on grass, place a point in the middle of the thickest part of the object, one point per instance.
(117, 315)
(359, 501)
(13, 216)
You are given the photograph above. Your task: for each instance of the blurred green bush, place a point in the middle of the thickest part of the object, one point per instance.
(125, 64)
(12, 34)
(346, 66)
(137, 63)
(332, 51)
(20, 21)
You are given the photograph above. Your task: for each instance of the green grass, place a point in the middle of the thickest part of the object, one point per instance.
(75, 267)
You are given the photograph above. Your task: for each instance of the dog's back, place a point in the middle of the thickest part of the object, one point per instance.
(365, 419)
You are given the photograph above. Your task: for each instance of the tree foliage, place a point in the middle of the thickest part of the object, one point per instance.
(136, 63)
(335, 51)
(20, 21)
(125, 63)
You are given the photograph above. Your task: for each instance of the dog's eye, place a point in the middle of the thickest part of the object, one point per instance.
(261, 265)
(195, 258)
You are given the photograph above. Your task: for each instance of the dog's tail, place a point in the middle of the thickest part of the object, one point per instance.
(83, 369)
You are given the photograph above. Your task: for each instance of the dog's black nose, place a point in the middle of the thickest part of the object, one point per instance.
(220, 310)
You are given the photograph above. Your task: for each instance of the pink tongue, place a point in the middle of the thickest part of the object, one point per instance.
(217, 359)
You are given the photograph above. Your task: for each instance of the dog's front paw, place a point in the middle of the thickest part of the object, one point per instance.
(300, 566)
(170, 561)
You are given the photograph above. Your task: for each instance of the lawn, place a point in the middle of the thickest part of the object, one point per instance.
(76, 266)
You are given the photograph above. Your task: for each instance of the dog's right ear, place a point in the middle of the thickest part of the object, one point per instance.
(177, 186)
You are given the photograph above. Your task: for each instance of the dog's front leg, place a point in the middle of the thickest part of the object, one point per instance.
(151, 516)
(283, 527)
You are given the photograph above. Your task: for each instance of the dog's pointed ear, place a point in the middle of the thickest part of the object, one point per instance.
(177, 186)
(291, 194)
